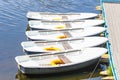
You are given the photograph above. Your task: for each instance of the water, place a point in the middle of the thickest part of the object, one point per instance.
(13, 23)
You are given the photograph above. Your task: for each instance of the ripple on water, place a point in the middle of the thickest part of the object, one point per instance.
(13, 23)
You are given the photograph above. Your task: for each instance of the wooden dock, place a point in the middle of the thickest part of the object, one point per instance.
(112, 17)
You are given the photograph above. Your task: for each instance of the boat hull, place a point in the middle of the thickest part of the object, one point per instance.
(55, 25)
(35, 47)
(26, 70)
(69, 33)
(59, 62)
(59, 16)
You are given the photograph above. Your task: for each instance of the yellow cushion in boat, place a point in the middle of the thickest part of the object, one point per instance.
(56, 62)
(52, 48)
(60, 27)
(61, 36)
(57, 18)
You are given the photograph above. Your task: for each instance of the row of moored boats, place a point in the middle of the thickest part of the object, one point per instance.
(60, 42)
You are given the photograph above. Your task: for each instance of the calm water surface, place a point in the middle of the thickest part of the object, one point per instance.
(13, 23)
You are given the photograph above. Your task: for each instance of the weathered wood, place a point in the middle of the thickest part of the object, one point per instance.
(67, 34)
(64, 58)
(112, 11)
(66, 45)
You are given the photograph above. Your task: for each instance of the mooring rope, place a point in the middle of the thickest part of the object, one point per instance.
(94, 69)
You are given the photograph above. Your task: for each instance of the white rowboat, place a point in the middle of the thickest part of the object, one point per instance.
(64, 33)
(61, 62)
(59, 16)
(53, 25)
(32, 47)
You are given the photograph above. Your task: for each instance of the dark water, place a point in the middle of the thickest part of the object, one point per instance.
(13, 23)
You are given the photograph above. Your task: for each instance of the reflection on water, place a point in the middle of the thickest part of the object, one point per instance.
(82, 74)
(13, 23)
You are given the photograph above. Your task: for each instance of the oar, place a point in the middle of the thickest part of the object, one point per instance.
(69, 29)
(62, 21)
(48, 13)
(54, 53)
(59, 40)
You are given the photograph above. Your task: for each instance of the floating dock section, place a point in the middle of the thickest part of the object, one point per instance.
(111, 15)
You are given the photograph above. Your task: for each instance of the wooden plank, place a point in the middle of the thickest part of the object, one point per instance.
(112, 11)
(64, 58)
(67, 34)
(66, 45)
